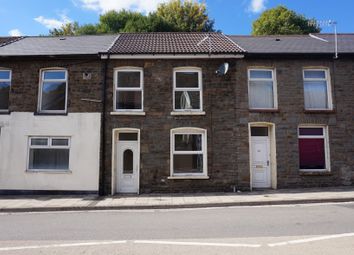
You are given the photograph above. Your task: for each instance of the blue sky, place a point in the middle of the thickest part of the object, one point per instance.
(34, 17)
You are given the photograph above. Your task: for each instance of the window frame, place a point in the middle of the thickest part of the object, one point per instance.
(204, 152)
(116, 89)
(41, 81)
(7, 80)
(48, 146)
(328, 83)
(199, 88)
(275, 86)
(326, 146)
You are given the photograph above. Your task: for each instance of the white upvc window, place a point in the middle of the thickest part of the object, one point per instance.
(5, 85)
(53, 90)
(48, 154)
(317, 89)
(128, 89)
(188, 152)
(313, 148)
(187, 89)
(262, 89)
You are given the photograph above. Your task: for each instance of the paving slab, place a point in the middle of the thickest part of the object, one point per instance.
(180, 200)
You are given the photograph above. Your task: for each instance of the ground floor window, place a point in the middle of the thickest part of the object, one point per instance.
(313, 148)
(49, 153)
(188, 152)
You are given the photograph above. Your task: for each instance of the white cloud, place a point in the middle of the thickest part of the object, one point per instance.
(15, 32)
(257, 6)
(53, 23)
(103, 6)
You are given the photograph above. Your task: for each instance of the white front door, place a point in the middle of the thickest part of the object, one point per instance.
(128, 167)
(260, 161)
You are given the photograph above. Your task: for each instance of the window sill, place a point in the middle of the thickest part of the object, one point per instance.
(48, 171)
(188, 113)
(50, 113)
(315, 172)
(4, 112)
(319, 111)
(186, 177)
(129, 113)
(264, 110)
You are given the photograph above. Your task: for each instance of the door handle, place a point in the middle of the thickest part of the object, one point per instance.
(267, 162)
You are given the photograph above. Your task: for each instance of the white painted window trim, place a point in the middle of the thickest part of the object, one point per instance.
(117, 89)
(189, 131)
(326, 146)
(275, 87)
(41, 80)
(328, 84)
(199, 89)
(48, 146)
(6, 80)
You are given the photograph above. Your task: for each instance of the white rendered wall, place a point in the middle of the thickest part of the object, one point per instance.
(84, 130)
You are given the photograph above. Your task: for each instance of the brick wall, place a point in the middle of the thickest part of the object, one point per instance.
(156, 125)
(225, 101)
(25, 82)
(291, 114)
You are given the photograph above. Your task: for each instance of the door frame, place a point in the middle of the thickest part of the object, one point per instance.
(273, 156)
(115, 133)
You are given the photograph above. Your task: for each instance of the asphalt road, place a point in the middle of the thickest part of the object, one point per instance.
(307, 229)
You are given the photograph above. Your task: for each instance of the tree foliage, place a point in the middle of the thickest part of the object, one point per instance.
(282, 21)
(176, 15)
(189, 16)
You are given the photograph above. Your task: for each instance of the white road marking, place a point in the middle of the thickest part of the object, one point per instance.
(198, 243)
(60, 245)
(312, 239)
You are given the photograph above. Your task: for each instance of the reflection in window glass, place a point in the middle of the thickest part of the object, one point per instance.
(187, 90)
(5, 84)
(129, 91)
(53, 91)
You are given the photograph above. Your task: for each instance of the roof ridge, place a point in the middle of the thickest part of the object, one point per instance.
(238, 46)
(12, 41)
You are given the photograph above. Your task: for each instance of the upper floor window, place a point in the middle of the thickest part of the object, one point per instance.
(128, 93)
(53, 91)
(5, 84)
(188, 152)
(317, 89)
(187, 89)
(313, 148)
(262, 91)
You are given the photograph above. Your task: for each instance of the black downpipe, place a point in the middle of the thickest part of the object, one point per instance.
(102, 169)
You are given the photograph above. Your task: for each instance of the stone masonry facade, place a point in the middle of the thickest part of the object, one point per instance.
(25, 82)
(226, 119)
(225, 102)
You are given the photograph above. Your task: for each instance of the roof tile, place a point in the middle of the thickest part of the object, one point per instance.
(174, 43)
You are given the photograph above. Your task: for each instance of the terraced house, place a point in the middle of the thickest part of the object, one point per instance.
(175, 112)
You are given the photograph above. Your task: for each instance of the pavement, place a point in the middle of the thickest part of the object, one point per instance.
(180, 200)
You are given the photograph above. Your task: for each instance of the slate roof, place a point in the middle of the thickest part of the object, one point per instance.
(50, 46)
(8, 39)
(295, 44)
(174, 43)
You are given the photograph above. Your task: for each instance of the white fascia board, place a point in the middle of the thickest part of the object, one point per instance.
(169, 56)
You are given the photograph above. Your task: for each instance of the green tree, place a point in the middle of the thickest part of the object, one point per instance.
(65, 29)
(188, 16)
(176, 15)
(282, 21)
